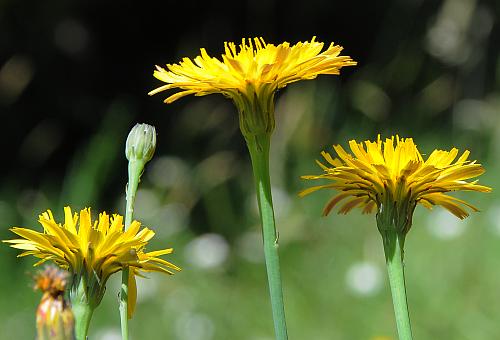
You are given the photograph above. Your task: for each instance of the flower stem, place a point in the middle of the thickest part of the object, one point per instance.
(82, 310)
(258, 147)
(135, 168)
(83, 313)
(124, 303)
(393, 248)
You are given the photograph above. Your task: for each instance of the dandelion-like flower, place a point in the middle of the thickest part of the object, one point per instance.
(94, 250)
(393, 179)
(382, 175)
(251, 75)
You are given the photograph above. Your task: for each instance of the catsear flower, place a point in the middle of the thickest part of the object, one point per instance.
(382, 176)
(93, 250)
(250, 75)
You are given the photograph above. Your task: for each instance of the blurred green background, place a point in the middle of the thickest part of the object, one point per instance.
(74, 77)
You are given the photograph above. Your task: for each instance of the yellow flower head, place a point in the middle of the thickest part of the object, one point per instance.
(94, 250)
(251, 75)
(383, 175)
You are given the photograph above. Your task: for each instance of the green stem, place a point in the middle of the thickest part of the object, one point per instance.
(393, 248)
(82, 311)
(258, 147)
(135, 168)
(124, 303)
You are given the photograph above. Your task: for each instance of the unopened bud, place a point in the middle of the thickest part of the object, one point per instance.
(141, 143)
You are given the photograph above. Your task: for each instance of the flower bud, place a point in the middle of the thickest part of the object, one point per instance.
(141, 143)
(54, 318)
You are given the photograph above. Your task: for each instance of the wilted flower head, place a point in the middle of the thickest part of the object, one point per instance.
(93, 250)
(251, 75)
(395, 178)
(54, 318)
(51, 280)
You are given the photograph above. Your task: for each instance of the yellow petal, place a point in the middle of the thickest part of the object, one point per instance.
(395, 169)
(132, 293)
